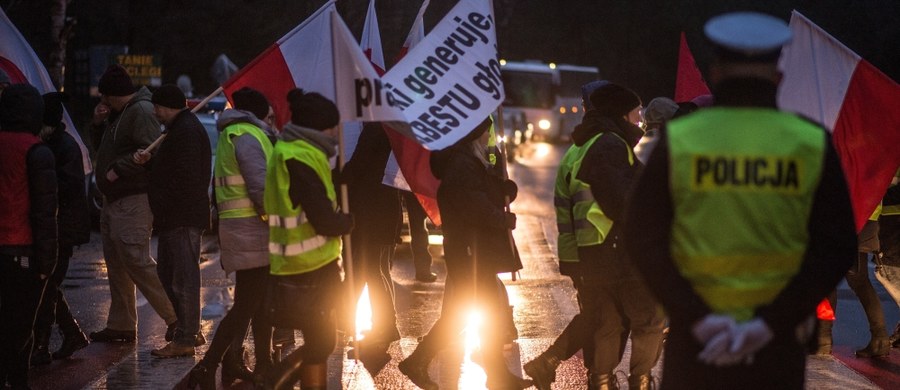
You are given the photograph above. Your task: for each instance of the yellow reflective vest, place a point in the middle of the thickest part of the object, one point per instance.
(742, 183)
(294, 246)
(232, 199)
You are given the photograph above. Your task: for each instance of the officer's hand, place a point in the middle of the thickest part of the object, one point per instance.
(715, 351)
(510, 221)
(510, 189)
(749, 338)
(711, 325)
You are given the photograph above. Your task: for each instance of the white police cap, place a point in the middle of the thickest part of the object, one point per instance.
(748, 35)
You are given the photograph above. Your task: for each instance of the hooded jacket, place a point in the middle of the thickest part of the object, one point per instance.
(606, 166)
(122, 134)
(74, 215)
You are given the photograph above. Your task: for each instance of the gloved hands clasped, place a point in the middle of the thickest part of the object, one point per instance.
(727, 343)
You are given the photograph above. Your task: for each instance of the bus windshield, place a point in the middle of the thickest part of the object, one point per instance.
(528, 89)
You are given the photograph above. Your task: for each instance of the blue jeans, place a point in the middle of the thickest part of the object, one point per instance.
(178, 266)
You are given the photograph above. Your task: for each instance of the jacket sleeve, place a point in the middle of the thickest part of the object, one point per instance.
(307, 190)
(466, 184)
(251, 161)
(144, 130)
(606, 169)
(42, 189)
(830, 253)
(648, 231)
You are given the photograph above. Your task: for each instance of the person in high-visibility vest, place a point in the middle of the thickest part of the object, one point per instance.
(859, 282)
(741, 222)
(305, 229)
(888, 269)
(242, 153)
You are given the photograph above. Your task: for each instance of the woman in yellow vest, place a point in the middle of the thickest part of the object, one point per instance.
(305, 228)
(741, 222)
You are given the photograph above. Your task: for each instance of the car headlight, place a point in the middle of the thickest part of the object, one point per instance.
(544, 124)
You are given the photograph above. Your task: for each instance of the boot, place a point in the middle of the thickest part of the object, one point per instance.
(542, 370)
(878, 346)
(603, 382)
(640, 382)
(71, 343)
(823, 338)
(203, 377)
(40, 354)
(233, 366)
(314, 376)
(415, 367)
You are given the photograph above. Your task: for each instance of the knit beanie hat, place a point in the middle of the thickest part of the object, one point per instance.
(309, 109)
(587, 90)
(613, 100)
(21, 109)
(170, 96)
(53, 108)
(249, 99)
(659, 110)
(115, 81)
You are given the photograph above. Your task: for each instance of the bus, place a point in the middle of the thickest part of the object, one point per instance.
(543, 101)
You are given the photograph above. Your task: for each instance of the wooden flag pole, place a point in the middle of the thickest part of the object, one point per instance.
(506, 199)
(196, 108)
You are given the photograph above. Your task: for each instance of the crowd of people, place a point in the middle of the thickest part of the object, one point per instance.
(678, 222)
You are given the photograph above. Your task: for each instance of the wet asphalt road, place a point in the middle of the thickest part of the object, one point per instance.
(543, 303)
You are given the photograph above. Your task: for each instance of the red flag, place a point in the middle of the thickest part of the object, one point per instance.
(412, 158)
(689, 82)
(826, 81)
(22, 65)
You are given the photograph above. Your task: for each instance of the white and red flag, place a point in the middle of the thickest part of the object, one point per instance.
(829, 83)
(23, 66)
(319, 55)
(689, 82)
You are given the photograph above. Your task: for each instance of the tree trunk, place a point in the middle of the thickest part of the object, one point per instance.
(60, 30)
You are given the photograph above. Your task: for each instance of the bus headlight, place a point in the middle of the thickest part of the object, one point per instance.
(544, 124)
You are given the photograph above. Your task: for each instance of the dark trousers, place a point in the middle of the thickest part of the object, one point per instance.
(858, 280)
(54, 307)
(579, 333)
(250, 289)
(623, 306)
(372, 264)
(779, 365)
(178, 267)
(418, 233)
(20, 296)
(464, 289)
(320, 290)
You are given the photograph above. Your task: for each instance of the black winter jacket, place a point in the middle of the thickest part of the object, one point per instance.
(375, 206)
(74, 215)
(180, 174)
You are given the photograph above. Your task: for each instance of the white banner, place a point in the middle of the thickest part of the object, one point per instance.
(450, 81)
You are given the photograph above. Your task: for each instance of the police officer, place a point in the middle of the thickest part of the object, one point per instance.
(741, 222)
(305, 231)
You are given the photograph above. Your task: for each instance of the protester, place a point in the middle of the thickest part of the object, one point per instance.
(740, 264)
(179, 175)
(28, 238)
(418, 238)
(859, 282)
(123, 122)
(888, 269)
(304, 239)
(74, 223)
(579, 333)
(476, 248)
(377, 213)
(240, 173)
(657, 112)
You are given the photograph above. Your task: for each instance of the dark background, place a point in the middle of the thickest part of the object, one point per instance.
(634, 42)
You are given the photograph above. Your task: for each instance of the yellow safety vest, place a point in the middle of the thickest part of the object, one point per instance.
(742, 182)
(294, 246)
(232, 199)
(579, 219)
(892, 209)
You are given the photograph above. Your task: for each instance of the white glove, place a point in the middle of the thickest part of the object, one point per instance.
(715, 333)
(750, 337)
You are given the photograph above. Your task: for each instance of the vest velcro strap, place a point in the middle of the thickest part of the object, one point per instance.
(307, 245)
(287, 222)
(235, 204)
(234, 180)
(559, 201)
(584, 195)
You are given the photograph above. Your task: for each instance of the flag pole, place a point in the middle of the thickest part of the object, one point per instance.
(506, 200)
(196, 108)
(345, 206)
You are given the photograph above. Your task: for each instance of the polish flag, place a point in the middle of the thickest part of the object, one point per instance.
(319, 55)
(829, 83)
(414, 173)
(22, 65)
(370, 43)
(689, 82)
